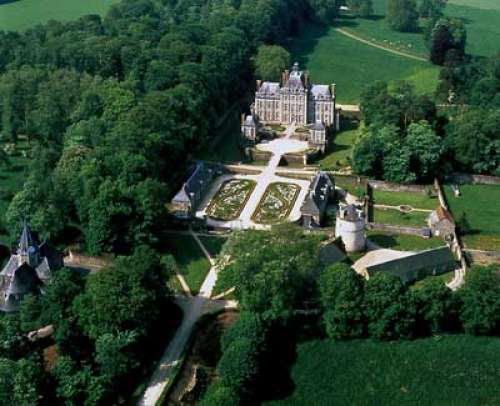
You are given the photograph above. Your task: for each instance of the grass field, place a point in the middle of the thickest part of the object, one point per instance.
(481, 18)
(395, 217)
(403, 242)
(340, 150)
(449, 370)
(334, 58)
(213, 244)
(480, 203)
(191, 261)
(19, 15)
(416, 200)
(12, 177)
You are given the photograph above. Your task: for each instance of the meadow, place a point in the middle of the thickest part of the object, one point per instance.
(445, 370)
(19, 15)
(482, 20)
(334, 58)
(482, 212)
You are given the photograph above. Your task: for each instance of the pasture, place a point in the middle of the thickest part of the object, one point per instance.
(19, 15)
(482, 20)
(334, 58)
(446, 370)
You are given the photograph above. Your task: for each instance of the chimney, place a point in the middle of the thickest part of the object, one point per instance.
(306, 79)
(242, 118)
(287, 75)
(259, 83)
(334, 89)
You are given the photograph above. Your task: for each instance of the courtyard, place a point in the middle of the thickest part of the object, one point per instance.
(257, 200)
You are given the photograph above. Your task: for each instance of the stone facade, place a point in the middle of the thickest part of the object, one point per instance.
(296, 100)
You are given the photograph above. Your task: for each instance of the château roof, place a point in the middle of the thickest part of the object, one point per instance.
(201, 174)
(270, 88)
(318, 126)
(321, 90)
(317, 197)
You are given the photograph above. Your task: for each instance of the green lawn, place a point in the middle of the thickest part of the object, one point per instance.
(334, 58)
(416, 200)
(19, 15)
(375, 29)
(481, 18)
(339, 151)
(213, 244)
(395, 217)
(192, 263)
(12, 177)
(449, 370)
(403, 242)
(481, 206)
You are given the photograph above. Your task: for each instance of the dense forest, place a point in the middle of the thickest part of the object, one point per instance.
(114, 108)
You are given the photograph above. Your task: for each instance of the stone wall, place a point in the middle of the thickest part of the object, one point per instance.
(389, 228)
(483, 257)
(395, 187)
(300, 159)
(235, 169)
(257, 155)
(465, 178)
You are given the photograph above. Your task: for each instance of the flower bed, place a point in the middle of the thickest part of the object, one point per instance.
(230, 200)
(276, 204)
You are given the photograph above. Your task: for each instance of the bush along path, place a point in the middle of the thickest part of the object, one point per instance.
(193, 308)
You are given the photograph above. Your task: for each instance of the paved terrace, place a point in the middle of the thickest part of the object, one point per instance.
(278, 148)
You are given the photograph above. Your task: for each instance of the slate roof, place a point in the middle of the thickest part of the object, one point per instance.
(250, 121)
(271, 88)
(202, 174)
(441, 214)
(26, 270)
(349, 213)
(406, 264)
(317, 197)
(318, 126)
(321, 91)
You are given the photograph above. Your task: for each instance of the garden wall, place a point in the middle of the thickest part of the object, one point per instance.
(465, 178)
(418, 231)
(395, 187)
(483, 257)
(242, 170)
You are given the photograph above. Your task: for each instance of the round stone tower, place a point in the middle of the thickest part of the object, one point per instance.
(350, 226)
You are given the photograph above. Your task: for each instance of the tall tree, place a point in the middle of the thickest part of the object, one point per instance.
(270, 62)
(448, 40)
(402, 15)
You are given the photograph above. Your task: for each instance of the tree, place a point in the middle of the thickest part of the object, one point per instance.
(342, 298)
(249, 326)
(219, 395)
(270, 62)
(363, 8)
(402, 15)
(432, 9)
(425, 149)
(480, 295)
(387, 307)
(448, 40)
(114, 355)
(127, 295)
(437, 307)
(239, 366)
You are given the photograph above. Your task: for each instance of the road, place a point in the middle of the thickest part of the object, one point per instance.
(193, 308)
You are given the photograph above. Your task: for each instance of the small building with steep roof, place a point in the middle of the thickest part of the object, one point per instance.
(27, 270)
(315, 204)
(194, 189)
(441, 223)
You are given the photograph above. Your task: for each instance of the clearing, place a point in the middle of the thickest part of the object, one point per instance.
(444, 370)
(23, 14)
(331, 57)
(480, 205)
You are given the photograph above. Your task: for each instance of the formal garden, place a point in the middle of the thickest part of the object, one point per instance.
(476, 212)
(230, 199)
(276, 204)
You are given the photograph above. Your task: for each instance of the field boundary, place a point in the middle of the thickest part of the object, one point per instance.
(375, 45)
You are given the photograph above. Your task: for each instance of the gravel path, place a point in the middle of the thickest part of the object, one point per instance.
(374, 45)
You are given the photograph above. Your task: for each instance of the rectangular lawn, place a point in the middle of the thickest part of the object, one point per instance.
(403, 242)
(481, 205)
(395, 217)
(449, 370)
(416, 200)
